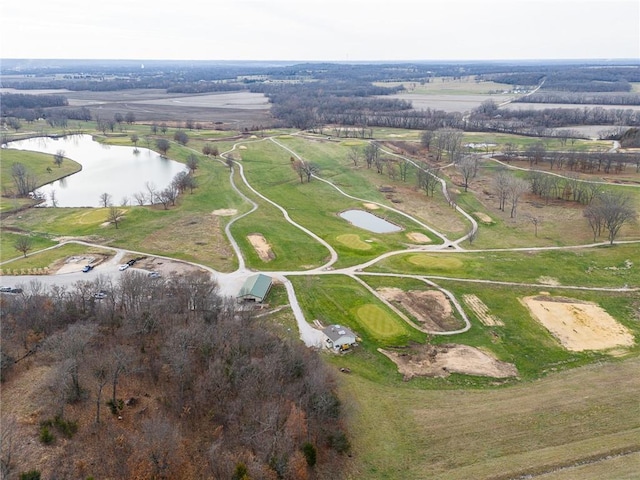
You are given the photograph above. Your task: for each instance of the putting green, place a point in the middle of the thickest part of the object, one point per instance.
(378, 322)
(352, 240)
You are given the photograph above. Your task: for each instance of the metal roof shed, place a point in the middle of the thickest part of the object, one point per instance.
(255, 288)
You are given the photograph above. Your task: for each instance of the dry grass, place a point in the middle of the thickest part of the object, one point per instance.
(531, 428)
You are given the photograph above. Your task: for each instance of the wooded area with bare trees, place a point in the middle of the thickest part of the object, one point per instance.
(166, 379)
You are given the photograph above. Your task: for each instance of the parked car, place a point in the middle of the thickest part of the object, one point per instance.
(5, 289)
(100, 295)
(15, 290)
(124, 266)
(87, 268)
(131, 262)
(154, 275)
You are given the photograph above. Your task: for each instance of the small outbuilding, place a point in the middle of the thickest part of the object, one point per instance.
(339, 338)
(255, 288)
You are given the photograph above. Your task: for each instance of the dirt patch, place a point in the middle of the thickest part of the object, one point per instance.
(483, 217)
(443, 360)
(77, 262)
(261, 246)
(548, 281)
(578, 325)
(166, 267)
(481, 311)
(430, 308)
(371, 206)
(418, 237)
(225, 212)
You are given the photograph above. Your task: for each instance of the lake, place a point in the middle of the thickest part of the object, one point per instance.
(117, 170)
(368, 221)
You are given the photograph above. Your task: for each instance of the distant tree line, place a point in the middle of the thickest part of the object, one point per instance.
(595, 98)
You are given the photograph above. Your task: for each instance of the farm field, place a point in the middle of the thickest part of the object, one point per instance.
(458, 371)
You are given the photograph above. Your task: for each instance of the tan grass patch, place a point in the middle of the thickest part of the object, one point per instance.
(198, 235)
(261, 246)
(225, 212)
(371, 206)
(548, 281)
(483, 217)
(443, 360)
(418, 237)
(578, 325)
(481, 311)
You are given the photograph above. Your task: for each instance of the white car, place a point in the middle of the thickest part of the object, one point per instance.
(124, 266)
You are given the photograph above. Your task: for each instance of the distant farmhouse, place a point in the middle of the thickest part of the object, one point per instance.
(255, 288)
(339, 338)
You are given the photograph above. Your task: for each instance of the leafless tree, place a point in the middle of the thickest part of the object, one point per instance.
(105, 200)
(8, 437)
(354, 155)
(192, 162)
(427, 180)
(101, 376)
(24, 181)
(517, 187)
(140, 198)
(163, 145)
(58, 158)
(371, 153)
(501, 184)
(135, 139)
(53, 199)
(426, 138)
(23, 244)
(151, 188)
(115, 215)
(468, 168)
(535, 221)
(610, 211)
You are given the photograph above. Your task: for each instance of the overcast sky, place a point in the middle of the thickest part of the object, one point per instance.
(333, 30)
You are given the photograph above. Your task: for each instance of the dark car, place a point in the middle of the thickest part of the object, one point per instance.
(131, 262)
(15, 290)
(87, 268)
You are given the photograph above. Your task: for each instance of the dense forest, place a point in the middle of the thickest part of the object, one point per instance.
(153, 378)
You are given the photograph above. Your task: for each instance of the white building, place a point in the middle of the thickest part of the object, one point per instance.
(338, 337)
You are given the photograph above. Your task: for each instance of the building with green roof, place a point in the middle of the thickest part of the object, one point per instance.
(255, 288)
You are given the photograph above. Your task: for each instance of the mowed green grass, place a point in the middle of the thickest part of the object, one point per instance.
(605, 266)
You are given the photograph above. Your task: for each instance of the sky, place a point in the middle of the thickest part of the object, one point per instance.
(326, 30)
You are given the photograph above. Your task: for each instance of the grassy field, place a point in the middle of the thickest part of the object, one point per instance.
(564, 408)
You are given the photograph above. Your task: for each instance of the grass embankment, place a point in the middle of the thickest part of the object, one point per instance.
(43, 262)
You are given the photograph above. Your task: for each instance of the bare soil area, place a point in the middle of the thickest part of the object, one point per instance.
(225, 212)
(481, 311)
(418, 237)
(430, 308)
(261, 246)
(77, 262)
(443, 360)
(578, 325)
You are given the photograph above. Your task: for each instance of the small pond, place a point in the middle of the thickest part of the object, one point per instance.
(368, 221)
(117, 170)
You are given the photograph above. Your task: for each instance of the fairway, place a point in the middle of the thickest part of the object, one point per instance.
(438, 263)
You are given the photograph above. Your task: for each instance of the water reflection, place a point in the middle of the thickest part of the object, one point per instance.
(368, 221)
(117, 170)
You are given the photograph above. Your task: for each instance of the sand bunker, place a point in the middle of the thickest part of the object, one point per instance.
(225, 212)
(483, 217)
(418, 237)
(371, 206)
(481, 310)
(578, 325)
(443, 360)
(262, 247)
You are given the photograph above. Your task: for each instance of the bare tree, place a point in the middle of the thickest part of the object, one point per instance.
(468, 168)
(101, 376)
(25, 182)
(135, 139)
(130, 118)
(517, 187)
(371, 153)
(535, 221)
(426, 138)
(610, 211)
(192, 162)
(428, 180)
(53, 199)
(501, 184)
(115, 215)
(151, 188)
(23, 244)
(8, 437)
(298, 167)
(58, 158)
(354, 155)
(181, 137)
(140, 198)
(163, 145)
(105, 200)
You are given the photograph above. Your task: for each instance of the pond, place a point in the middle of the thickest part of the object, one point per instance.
(117, 170)
(368, 221)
